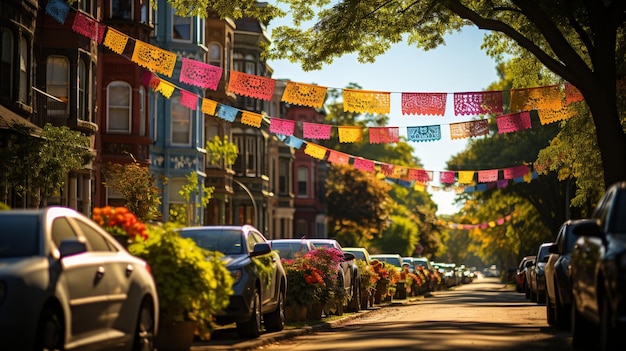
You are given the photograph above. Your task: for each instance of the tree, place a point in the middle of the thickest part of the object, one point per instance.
(138, 187)
(39, 166)
(194, 188)
(580, 41)
(358, 205)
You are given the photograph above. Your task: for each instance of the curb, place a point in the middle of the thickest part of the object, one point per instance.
(234, 343)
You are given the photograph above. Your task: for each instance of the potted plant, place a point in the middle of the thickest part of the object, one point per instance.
(368, 280)
(121, 223)
(193, 284)
(305, 286)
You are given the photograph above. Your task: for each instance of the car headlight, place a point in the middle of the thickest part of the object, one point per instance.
(237, 274)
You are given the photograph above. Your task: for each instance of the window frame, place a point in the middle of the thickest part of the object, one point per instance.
(174, 106)
(119, 83)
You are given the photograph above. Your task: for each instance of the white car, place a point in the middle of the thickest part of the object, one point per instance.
(66, 284)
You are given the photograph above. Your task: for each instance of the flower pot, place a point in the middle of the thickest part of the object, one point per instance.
(314, 312)
(175, 336)
(295, 313)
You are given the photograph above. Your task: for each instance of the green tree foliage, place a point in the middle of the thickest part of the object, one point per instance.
(193, 188)
(221, 149)
(358, 205)
(400, 237)
(138, 187)
(580, 41)
(39, 166)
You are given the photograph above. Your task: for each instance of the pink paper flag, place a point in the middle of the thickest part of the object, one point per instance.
(188, 99)
(200, 74)
(316, 131)
(490, 175)
(364, 165)
(446, 177)
(515, 172)
(88, 27)
(513, 122)
(478, 103)
(282, 126)
(387, 169)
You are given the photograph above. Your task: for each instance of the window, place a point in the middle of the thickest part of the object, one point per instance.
(6, 62)
(155, 118)
(146, 11)
(302, 228)
(87, 6)
(119, 103)
(81, 91)
(24, 84)
(121, 9)
(238, 62)
(283, 176)
(182, 28)
(215, 54)
(250, 64)
(93, 93)
(303, 181)
(250, 155)
(181, 122)
(142, 111)
(57, 81)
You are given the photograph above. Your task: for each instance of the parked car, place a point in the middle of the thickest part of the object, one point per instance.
(260, 282)
(349, 275)
(291, 248)
(529, 265)
(598, 274)
(65, 282)
(558, 287)
(393, 259)
(537, 274)
(520, 280)
(360, 253)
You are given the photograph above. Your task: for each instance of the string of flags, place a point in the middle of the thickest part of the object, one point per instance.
(550, 102)
(483, 225)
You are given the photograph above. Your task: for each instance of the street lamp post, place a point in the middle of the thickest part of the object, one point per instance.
(245, 188)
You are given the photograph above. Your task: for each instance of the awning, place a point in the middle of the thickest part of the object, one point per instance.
(10, 119)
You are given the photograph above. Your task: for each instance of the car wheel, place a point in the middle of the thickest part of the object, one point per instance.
(275, 320)
(608, 334)
(252, 327)
(583, 335)
(561, 312)
(355, 301)
(144, 331)
(49, 331)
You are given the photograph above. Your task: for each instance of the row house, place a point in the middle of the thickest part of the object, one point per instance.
(48, 75)
(51, 74)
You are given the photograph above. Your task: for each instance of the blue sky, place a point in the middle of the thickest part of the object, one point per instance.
(458, 66)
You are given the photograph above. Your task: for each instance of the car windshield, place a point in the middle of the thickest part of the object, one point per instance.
(544, 254)
(226, 241)
(289, 250)
(360, 255)
(18, 237)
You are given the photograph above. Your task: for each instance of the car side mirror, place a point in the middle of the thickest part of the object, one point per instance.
(588, 227)
(530, 264)
(347, 256)
(70, 247)
(261, 249)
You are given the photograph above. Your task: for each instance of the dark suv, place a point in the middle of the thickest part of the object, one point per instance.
(598, 274)
(260, 281)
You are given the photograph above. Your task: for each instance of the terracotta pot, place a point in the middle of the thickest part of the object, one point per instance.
(295, 313)
(175, 336)
(314, 312)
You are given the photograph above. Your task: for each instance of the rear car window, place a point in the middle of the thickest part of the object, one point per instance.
(19, 236)
(226, 241)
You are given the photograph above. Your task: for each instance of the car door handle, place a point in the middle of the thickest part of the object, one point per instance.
(99, 274)
(129, 270)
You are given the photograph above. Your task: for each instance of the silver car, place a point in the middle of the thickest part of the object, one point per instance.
(67, 284)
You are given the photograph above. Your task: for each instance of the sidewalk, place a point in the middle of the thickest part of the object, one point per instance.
(227, 339)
